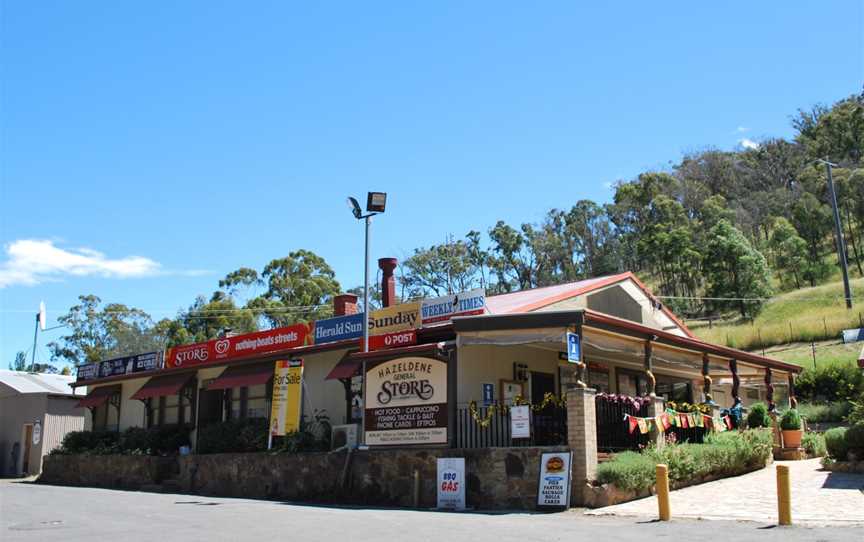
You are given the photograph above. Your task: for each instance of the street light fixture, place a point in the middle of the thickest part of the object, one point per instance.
(375, 204)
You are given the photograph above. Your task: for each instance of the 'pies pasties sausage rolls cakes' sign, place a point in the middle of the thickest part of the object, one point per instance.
(406, 402)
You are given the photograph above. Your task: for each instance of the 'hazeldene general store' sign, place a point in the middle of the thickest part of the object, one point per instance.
(406, 402)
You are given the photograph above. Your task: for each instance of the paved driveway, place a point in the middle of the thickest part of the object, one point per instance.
(818, 498)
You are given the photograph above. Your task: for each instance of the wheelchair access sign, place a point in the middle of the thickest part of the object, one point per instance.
(574, 348)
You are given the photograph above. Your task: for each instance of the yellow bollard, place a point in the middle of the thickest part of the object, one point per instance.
(663, 492)
(784, 496)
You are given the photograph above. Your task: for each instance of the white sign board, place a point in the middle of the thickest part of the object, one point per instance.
(451, 483)
(520, 421)
(406, 402)
(37, 433)
(554, 487)
(442, 309)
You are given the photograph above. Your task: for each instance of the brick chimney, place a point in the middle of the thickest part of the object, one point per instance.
(388, 281)
(344, 305)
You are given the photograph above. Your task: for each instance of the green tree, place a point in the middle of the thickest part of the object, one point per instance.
(207, 319)
(735, 270)
(790, 252)
(812, 219)
(836, 133)
(95, 333)
(20, 363)
(299, 289)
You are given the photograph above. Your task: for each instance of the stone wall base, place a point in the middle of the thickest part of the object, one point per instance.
(496, 478)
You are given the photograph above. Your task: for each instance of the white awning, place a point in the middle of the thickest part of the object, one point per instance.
(510, 337)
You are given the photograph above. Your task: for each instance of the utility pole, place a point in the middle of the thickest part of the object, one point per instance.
(35, 336)
(841, 244)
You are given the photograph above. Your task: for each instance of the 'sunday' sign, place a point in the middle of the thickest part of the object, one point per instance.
(287, 397)
(406, 402)
(554, 487)
(339, 329)
(239, 346)
(442, 309)
(394, 326)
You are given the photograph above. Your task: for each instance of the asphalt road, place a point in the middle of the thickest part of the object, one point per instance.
(30, 512)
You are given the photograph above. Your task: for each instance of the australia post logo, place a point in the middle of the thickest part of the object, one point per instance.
(192, 355)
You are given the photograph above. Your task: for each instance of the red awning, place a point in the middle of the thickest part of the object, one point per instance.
(98, 396)
(244, 375)
(346, 368)
(163, 385)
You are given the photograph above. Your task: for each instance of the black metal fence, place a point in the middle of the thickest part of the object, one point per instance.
(548, 428)
(612, 429)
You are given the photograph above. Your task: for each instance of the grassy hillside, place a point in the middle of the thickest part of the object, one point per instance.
(801, 316)
(826, 353)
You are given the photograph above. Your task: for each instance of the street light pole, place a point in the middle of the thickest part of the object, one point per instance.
(366, 310)
(841, 244)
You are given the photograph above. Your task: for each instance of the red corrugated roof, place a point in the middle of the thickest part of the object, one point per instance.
(169, 384)
(242, 375)
(98, 396)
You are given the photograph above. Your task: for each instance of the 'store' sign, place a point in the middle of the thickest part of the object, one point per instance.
(406, 402)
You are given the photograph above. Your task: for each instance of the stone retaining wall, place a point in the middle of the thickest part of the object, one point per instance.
(496, 478)
(109, 471)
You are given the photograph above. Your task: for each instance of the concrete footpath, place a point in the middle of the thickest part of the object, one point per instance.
(818, 498)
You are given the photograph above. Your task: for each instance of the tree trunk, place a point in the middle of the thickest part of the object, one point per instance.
(854, 243)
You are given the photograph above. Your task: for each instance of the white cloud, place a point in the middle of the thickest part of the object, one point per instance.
(33, 261)
(608, 185)
(742, 129)
(748, 143)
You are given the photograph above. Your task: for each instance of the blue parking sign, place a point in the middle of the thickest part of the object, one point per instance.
(573, 348)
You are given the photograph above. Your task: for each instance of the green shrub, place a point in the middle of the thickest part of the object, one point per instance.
(856, 411)
(835, 443)
(855, 440)
(813, 444)
(835, 382)
(722, 454)
(233, 436)
(825, 412)
(758, 416)
(89, 442)
(628, 470)
(790, 421)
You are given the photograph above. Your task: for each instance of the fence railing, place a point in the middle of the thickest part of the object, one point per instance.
(548, 428)
(612, 430)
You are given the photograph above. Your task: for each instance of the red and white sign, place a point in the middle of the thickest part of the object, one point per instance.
(239, 346)
(393, 340)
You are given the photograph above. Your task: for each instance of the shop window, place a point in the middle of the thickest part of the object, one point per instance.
(599, 380)
(248, 402)
(106, 417)
(176, 409)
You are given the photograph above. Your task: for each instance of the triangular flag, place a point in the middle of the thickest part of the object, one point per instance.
(684, 421)
(643, 425)
(632, 423)
(700, 421)
(667, 423)
(658, 421)
(728, 421)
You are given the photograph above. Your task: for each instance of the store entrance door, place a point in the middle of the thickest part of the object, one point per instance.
(28, 442)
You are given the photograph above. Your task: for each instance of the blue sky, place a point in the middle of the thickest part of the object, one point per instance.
(147, 150)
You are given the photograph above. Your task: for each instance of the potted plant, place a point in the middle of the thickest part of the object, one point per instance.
(790, 425)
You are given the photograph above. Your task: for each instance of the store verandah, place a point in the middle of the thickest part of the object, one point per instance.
(504, 360)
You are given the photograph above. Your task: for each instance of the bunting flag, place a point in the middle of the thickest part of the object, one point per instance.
(671, 418)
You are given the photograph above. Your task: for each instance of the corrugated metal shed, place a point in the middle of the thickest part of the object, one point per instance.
(24, 382)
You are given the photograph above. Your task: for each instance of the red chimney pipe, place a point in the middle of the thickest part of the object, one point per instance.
(344, 305)
(388, 281)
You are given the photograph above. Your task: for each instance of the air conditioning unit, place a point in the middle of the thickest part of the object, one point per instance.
(344, 436)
